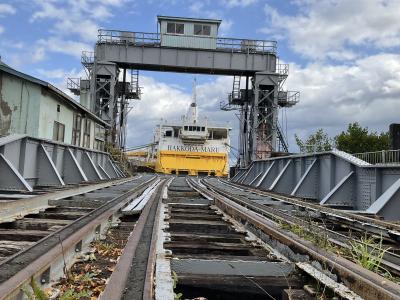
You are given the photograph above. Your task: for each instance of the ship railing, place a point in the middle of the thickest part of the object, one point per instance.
(380, 157)
(154, 39)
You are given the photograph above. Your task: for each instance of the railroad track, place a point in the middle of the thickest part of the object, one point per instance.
(216, 259)
(197, 238)
(43, 243)
(244, 204)
(335, 227)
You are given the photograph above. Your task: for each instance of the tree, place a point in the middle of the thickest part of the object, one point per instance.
(357, 139)
(316, 142)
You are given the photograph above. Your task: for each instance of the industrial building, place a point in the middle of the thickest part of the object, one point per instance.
(38, 109)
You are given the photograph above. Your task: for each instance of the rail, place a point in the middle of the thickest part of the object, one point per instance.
(17, 270)
(355, 277)
(154, 39)
(380, 157)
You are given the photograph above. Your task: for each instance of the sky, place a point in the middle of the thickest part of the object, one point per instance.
(344, 56)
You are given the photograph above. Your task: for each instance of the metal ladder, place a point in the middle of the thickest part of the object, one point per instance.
(282, 139)
(135, 82)
(236, 87)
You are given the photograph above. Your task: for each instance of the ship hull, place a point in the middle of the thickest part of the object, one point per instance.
(192, 163)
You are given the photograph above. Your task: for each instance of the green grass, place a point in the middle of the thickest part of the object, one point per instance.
(368, 253)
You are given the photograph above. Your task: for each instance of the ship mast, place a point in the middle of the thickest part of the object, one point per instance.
(192, 114)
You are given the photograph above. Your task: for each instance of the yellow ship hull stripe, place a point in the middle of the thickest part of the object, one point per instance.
(192, 162)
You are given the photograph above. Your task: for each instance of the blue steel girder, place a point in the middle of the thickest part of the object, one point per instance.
(10, 178)
(27, 163)
(47, 172)
(332, 178)
(185, 60)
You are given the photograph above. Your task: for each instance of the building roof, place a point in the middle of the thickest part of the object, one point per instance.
(197, 20)
(61, 95)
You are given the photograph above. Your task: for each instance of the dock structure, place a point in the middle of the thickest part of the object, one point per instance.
(294, 226)
(189, 45)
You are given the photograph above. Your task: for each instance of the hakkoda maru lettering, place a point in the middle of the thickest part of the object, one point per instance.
(192, 148)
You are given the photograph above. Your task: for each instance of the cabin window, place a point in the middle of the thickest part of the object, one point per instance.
(200, 29)
(203, 129)
(175, 28)
(168, 133)
(58, 131)
(185, 127)
(219, 134)
(76, 130)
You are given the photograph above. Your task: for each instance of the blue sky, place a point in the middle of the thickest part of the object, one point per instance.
(343, 55)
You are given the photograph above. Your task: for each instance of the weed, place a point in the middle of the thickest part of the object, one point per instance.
(88, 277)
(37, 293)
(179, 295)
(74, 295)
(369, 254)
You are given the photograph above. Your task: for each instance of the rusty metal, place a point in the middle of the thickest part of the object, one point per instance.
(365, 220)
(367, 284)
(118, 280)
(317, 220)
(16, 209)
(213, 255)
(38, 265)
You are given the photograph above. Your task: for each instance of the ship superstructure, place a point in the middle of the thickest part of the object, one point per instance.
(192, 146)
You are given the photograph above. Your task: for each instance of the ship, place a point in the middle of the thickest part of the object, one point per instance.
(192, 146)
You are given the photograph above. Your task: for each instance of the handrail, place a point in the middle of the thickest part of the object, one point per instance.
(149, 38)
(380, 157)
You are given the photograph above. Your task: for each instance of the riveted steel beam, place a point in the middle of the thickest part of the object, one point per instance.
(47, 172)
(10, 178)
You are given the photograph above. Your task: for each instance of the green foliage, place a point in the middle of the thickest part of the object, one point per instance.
(175, 278)
(36, 293)
(73, 295)
(357, 139)
(368, 254)
(316, 142)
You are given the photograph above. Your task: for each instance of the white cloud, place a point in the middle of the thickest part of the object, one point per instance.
(58, 45)
(367, 92)
(72, 18)
(225, 27)
(58, 77)
(334, 29)
(7, 9)
(237, 3)
(53, 74)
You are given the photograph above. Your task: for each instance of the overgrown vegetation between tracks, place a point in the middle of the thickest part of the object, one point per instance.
(87, 278)
(366, 251)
